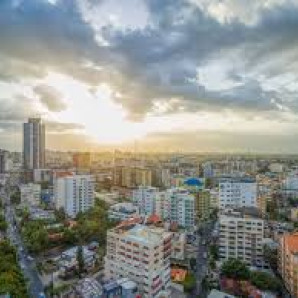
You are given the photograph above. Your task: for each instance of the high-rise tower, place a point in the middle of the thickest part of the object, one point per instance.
(34, 144)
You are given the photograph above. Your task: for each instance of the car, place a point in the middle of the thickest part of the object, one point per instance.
(30, 258)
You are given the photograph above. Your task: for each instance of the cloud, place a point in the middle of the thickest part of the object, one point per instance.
(51, 98)
(158, 57)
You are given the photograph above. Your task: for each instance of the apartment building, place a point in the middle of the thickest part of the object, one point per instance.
(241, 236)
(145, 198)
(141, 253)
(288, 262)
(175, 204)
(182, 207)
(30, 194)
(74, 193)
(237, 193)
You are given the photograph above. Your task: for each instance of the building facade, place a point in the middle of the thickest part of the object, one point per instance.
(237, 193)
(34, 144)
(142, 254)
(175, 204)
(3, 161)
(242, 236)
(288, 262)
(30, 194)
(74, 193)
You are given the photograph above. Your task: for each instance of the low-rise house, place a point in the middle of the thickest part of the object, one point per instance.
(68, 260)
(40, 214)
(88, 288)
(122, 211)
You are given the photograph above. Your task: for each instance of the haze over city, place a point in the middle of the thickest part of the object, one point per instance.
(187, 75)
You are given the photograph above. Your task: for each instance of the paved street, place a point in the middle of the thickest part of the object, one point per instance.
(202, 258)
(27, 264)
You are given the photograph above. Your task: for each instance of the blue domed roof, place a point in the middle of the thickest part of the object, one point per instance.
(193, 182)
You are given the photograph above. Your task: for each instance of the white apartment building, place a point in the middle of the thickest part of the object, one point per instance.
(123, 211)
(74, 193)
(291, 181)
(237, 193)
(182, 207)
(30, 194)
(145, 198)
(175, 204)
(142, 254)
(241, 236)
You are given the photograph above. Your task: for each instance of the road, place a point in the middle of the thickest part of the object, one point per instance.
(202, 258)
(27, 264)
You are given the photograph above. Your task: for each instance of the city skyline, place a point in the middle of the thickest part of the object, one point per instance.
(189, 75)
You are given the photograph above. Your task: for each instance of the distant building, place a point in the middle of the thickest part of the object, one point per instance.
(30, 194)
(3, 161)
(42, 175)
(142, 254)
(122, 211)
(237, 193)
(175, 204)
(291, 181)
(82, 160)
(288, 262)
(74, 193)
(276, 167)
(242, 236)
(34, 144)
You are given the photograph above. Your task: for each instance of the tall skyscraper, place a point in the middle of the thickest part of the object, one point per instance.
(34, 144)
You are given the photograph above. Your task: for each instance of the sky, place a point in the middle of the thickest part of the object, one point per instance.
(187, 75)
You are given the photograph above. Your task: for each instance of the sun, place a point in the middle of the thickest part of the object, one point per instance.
(103, 120)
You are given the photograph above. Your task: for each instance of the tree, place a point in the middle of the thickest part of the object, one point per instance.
(189, 283)
(265, 282)
(193, 263)
(35, 236)
(60, 214)
(11, 278)
(234, 268)
(213, 249)
(80, 260)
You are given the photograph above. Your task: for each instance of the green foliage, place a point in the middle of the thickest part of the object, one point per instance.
(11, 277)
(15, 197)
(271, 256)
(60, 215)
(189, 283)
(3, 224)
(193, 263)
(35, 236)
(93, 225)
(266, 282)
(80, 260)
(213, 251)
(234, 268)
